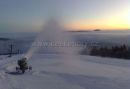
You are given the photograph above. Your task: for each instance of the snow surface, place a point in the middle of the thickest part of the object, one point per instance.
(54, 72)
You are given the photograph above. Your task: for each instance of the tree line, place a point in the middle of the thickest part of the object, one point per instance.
(121, 51)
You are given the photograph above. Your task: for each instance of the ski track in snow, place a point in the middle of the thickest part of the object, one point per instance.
(49, 72)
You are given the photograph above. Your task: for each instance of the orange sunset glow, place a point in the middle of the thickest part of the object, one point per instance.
(114, 21)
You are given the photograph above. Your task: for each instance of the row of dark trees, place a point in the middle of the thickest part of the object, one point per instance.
(121, 51)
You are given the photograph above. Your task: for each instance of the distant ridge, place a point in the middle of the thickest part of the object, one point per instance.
(81, 31)
(97, 30)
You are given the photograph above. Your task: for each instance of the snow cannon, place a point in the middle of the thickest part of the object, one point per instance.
(23, 65)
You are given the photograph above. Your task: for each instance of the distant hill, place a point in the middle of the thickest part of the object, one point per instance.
(81, 31)
(97, 30)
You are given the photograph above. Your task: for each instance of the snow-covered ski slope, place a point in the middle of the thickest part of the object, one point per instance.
(54, 72)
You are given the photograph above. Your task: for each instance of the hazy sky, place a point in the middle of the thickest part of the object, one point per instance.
(30, 15)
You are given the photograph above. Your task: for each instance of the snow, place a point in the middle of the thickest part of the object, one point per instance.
(54, 72)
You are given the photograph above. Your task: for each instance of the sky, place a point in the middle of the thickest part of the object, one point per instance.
(30, 15)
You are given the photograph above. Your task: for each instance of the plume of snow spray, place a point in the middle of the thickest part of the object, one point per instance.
(59, 39)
